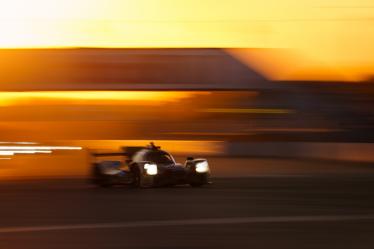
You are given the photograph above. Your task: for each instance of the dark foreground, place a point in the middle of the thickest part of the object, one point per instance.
(259, 212)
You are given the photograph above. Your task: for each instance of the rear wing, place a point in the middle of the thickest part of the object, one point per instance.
(128, 151)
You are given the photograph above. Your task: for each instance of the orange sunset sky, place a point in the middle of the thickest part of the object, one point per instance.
(314, 39)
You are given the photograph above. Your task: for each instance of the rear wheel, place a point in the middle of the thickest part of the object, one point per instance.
(135, 176)
(99, 179)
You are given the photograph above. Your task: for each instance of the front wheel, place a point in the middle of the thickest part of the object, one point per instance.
(198, 180)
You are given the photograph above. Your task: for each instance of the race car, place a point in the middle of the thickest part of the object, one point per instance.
(147, 167)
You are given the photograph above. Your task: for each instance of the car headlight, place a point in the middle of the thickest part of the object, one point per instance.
(202, 167)
(150, 169)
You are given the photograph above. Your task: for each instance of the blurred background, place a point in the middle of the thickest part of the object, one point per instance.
(260, 88)
(199, 101)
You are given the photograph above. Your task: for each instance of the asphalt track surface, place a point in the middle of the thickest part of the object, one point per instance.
(308, 211)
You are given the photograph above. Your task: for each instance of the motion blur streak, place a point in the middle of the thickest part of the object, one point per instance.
(94, 97)
(39, 148)
(3, 142)
(189, 222)
(205, 147)
(4, 152)
(276, 95)
(75, 162)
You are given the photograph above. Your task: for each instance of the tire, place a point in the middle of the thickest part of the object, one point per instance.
(99, 179)
(136, 176)
(199, 180)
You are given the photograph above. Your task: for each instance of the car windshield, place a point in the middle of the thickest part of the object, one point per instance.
(159, 157)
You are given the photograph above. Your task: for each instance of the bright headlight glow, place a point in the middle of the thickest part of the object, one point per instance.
(202, 167)
(150, 169)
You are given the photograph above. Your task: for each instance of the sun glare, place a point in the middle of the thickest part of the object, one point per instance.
(326, 34)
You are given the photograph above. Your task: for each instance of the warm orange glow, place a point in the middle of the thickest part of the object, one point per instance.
(332, 38)
(173, 146)
(102, 97)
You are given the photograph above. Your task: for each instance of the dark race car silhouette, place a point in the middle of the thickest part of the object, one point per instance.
(147, 167)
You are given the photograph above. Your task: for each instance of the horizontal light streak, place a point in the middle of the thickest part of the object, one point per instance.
(28, 143)
(6, 153)
(40, 148)
(51, 97)
(13, 152)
